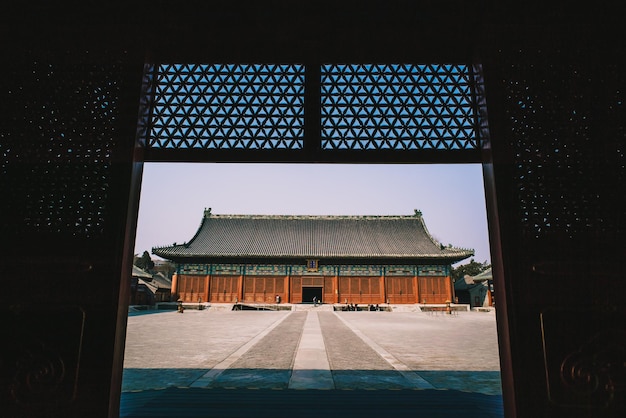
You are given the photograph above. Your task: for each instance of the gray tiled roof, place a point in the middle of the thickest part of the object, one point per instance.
(485, 275)
(272, 236)
(140, 273)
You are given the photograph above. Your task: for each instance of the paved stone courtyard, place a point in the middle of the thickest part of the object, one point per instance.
(312, 349)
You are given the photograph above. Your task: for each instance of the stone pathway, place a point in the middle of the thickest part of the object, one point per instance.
(311, 369)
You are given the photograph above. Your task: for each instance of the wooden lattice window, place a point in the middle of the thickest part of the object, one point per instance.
(228, 106)
(398, 107)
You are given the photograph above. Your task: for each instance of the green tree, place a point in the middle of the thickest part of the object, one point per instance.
(144, 262)
(472, 269)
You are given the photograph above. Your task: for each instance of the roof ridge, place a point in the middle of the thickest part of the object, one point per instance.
(259, 216)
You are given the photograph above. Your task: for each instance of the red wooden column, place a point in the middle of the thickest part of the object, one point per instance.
(240, 287)
(452, 290)
(174, 283)
(205, 294)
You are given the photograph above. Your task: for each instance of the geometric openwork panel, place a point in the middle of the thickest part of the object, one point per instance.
(56, 152)
(566, 127)
(228, 106)
(397, 107)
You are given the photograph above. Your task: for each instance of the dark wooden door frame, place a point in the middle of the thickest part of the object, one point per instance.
(496, 259)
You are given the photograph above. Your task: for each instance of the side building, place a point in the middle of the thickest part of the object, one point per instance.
(335, 259)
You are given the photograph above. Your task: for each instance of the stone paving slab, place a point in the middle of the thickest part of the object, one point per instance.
(187, 346)
(356, 364)
(268, 363)
(194, 339)
(465, 341)
(372, 350)
(393, 375)
(448, 351)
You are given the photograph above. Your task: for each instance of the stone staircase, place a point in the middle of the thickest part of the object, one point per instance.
(311, 307)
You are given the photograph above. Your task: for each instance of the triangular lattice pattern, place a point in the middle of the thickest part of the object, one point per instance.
(397, 107)
(228, 106)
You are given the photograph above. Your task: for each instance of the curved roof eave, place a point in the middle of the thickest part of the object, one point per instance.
(399, 257)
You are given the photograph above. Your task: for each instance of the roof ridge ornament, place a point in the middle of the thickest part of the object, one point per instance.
(207, 212)
(418, 212)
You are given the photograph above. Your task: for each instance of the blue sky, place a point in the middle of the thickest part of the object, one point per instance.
(451, 197)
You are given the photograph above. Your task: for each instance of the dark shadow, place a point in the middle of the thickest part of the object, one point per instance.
(140, 379)
(259, 403)
(484, 382)
(265, 392)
